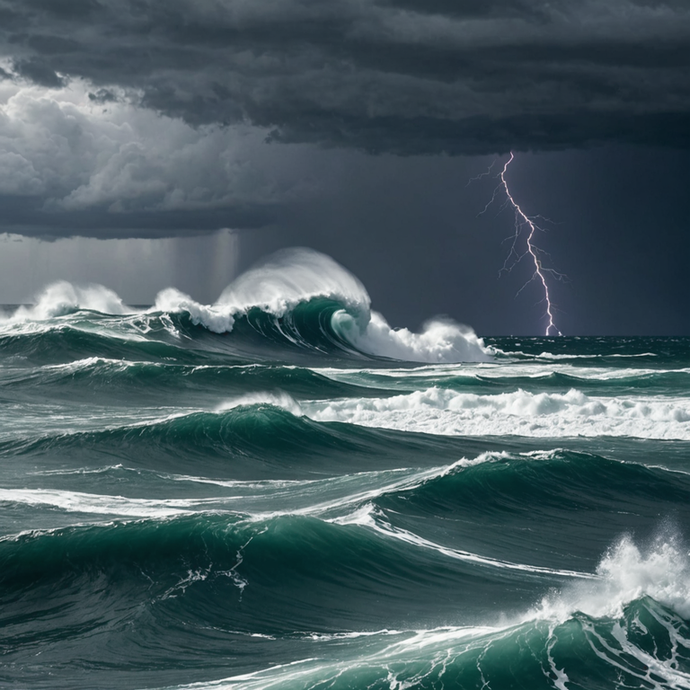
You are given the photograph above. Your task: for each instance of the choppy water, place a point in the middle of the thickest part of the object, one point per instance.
(279, 491)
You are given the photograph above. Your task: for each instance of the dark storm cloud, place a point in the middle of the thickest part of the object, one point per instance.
(26, 216)
(403, 76)
(39, 72)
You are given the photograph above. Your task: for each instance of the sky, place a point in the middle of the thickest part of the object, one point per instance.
(146, 144)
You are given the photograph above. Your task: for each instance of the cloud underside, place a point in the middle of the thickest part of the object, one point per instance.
(148, 118)
(395, 76)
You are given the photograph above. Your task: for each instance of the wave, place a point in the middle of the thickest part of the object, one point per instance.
(534, 504)
(110, 379)
(652, 351)
(127, 380)
(296, 299)
(529, 377)
(188, 585)
(255, 435)
(521, 413)
(307, 299)
(627, 627)
(559, 480)
(353, 574)
(64, 342)
(469, 509)
(62, 298)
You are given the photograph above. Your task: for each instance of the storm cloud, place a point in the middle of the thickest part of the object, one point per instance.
(77, 162)
(399, 76)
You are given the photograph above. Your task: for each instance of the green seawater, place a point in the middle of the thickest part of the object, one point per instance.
(278, 505)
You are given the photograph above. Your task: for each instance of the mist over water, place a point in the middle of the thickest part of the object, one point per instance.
(279, 490)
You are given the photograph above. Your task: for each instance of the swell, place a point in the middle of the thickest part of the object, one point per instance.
(254, 434)
(603, 351)
(593, 380)
(665, 383)
(558, 509)
(256, 438)
(132, 381)
(256, 431)
(170, 595)
(560, 478)
(550, 509)
(645, 647)
(65, 343)
(272, 576)
(108, 379)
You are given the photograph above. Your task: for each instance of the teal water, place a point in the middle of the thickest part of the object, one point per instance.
(286, 493)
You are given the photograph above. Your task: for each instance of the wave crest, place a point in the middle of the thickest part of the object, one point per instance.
(293, 276)
(625, 574)
(62, 298)
(296, 298)
(297, 276)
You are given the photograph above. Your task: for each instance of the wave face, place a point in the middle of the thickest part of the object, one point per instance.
(278, 490)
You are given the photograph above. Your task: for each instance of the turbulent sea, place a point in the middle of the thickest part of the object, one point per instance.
(281, 491)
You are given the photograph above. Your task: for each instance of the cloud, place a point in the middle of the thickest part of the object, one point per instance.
(69, 152)
(137, 117)
(402, 76)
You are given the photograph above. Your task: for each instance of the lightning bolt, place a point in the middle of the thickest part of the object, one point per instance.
(525, 223)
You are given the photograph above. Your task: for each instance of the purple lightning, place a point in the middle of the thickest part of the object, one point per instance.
(522, 220)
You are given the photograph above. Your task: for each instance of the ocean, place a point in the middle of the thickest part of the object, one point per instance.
(279, 490)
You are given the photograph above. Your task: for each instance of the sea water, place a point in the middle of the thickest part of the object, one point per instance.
(279, 490)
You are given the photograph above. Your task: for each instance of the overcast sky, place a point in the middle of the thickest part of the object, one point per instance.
(145, 143)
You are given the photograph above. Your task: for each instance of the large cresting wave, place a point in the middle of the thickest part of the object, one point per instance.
(297, 298)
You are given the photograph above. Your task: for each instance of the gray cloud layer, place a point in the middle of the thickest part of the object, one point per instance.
(78, 162)
(401, 76)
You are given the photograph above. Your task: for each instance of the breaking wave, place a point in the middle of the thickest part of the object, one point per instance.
(521, 413)
(625, 628)
(297, 299)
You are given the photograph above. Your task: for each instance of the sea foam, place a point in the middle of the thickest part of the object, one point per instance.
(61, 298)
(626, 573)
(447, 412)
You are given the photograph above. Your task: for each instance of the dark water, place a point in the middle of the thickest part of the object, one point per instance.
(266, 494)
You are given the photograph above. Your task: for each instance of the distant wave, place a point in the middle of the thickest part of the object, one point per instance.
(520, 413)
(62, 298)
(297, 298)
